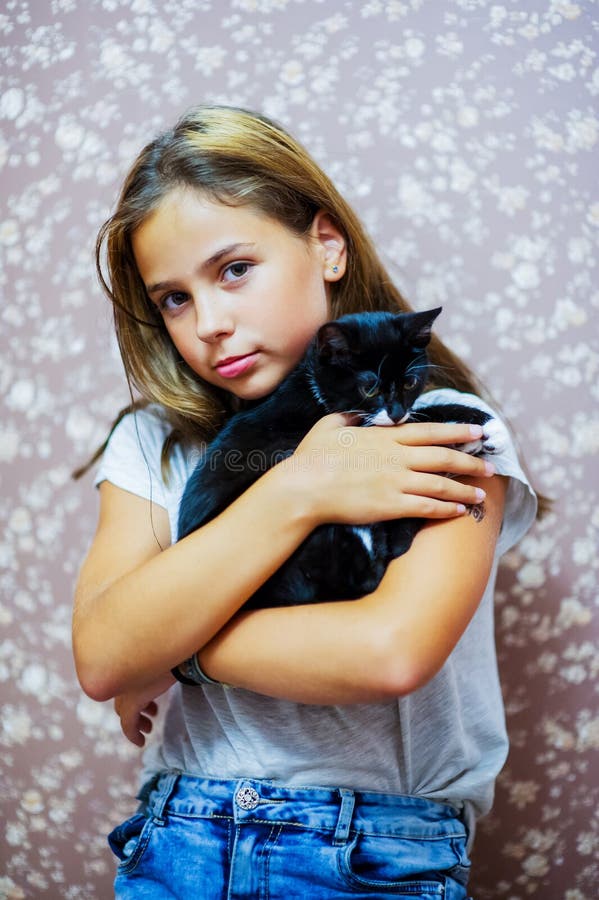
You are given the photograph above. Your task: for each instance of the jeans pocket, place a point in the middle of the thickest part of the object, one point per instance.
(399, 866)
(129, 840)
(457, 883)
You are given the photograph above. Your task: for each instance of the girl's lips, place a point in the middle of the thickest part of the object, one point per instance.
(236, 365)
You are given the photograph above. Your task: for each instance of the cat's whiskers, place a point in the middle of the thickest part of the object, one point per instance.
(315, 391)
(415, 416)
(373, 391)
(378, 374)
(432, 366)
(416, 366)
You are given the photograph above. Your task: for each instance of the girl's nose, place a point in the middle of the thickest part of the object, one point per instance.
(213, 321)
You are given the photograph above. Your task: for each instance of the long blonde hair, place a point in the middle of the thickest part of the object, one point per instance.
(240, 158)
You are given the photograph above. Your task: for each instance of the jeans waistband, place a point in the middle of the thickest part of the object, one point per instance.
(338, 810)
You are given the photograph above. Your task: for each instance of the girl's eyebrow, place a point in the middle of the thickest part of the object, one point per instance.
(216, 257)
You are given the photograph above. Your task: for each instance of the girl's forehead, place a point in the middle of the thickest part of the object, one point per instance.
(188, 224)
(184, 202)
(187, 218)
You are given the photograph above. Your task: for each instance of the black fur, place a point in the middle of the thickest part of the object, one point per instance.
(363, 363)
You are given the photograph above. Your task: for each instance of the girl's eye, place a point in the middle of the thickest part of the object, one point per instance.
(236, 271)
(172, 301)
(410, 383)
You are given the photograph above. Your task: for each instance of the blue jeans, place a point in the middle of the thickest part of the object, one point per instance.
(208, 839)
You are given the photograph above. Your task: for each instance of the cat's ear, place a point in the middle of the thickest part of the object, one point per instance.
(418, 326)
(332, 342)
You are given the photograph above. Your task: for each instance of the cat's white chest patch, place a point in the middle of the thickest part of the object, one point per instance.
(366, 536)
(382, 418)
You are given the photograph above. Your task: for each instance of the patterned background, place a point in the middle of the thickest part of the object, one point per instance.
(465, 134)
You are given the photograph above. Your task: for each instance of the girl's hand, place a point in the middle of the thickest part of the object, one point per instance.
(136, 709)
(357, 475)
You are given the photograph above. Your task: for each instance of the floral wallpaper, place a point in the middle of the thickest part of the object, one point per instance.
(465, 133)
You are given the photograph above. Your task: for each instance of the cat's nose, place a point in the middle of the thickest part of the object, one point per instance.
(396, 411)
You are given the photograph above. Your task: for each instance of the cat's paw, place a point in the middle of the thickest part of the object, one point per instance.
(494, 440)
(495, 437)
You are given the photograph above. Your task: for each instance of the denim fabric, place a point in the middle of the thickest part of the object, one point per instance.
(208, 839)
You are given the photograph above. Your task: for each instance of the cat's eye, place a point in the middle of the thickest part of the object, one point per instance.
(410, 383)
(369, 392)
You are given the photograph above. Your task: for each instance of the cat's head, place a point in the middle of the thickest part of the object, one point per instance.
(373, 364)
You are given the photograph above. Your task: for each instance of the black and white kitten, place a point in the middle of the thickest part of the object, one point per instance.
(373, 365)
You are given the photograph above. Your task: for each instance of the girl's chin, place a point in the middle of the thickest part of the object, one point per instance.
(250, 393)
(249, 388)
(254, 387)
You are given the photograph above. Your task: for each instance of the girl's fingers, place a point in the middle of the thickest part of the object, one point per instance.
(436, 488)
(444, 459)
(420, 445)
(427, 508)
(414, 434)
(420, 434)
(133, 733)
(387, 473)
(134, 724)
(145, 724)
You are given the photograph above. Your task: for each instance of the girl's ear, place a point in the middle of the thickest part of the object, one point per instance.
(332, 244)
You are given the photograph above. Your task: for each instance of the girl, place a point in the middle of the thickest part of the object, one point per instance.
(331, 750)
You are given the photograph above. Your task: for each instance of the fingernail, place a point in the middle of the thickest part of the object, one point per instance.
(461, 508)
(480, 494)
(489, 468)
(476, 431)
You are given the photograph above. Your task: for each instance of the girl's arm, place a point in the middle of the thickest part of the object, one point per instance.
(382, 646)
(139, 611)
(374, 649)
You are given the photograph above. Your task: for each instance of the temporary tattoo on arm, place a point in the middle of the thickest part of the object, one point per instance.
(477, 511)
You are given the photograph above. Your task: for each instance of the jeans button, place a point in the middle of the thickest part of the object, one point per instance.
(247, 798)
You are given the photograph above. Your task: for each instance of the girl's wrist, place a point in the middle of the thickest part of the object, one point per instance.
(191, 672)
(295, 491)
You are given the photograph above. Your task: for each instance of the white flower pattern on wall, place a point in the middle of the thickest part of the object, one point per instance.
(465, 133)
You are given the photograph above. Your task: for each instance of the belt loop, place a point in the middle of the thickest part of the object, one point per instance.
(345, 814)
(165, 788)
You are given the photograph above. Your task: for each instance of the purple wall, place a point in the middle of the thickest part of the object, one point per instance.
(463, 132)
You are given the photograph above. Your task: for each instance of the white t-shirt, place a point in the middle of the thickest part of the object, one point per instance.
(446, 741)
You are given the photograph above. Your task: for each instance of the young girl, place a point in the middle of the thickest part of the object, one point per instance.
(331, 750)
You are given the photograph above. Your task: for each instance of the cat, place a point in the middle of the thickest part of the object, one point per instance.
(373, 365)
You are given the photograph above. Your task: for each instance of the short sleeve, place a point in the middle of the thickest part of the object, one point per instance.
(520, 501)
(132, 457)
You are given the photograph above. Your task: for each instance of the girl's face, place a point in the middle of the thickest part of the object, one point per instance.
(240, 294)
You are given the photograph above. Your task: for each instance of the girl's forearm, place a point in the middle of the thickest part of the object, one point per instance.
(151, 618)
(139, 612)
(326, 653)
(381, 646)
